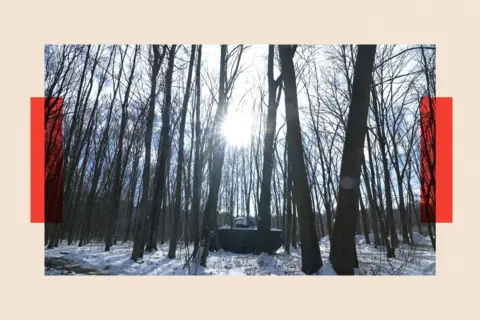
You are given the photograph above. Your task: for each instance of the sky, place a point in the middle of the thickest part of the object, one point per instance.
(255, 62)
(254, 65)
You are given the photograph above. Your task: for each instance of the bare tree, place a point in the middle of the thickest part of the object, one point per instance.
(342, 253)
(117, 184)
(265, 195)
(311, 259)
(163, 156)
(138, 246)
(197, 170)
(180, 160)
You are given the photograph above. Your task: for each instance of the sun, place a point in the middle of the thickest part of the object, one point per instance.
(237, 128)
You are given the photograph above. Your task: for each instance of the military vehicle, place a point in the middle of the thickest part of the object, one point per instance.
(242, 237)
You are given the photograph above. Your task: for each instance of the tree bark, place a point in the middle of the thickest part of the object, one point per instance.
(311, 259)
(180, 161)
(163, 156)
(117, 183)
(209, 224)
(138, 243)
(197, 166)
(342, 252)
(264, 216)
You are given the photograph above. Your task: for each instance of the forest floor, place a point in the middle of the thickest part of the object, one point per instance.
(418, 259)
(62, 266)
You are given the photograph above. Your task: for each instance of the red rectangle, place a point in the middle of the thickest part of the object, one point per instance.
(37, 160)
(53, 160)
(436, 160)
(444, 145)
(46, 160)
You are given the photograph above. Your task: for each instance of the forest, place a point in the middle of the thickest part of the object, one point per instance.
(165, 145)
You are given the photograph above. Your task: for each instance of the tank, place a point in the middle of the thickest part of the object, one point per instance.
(242, 237)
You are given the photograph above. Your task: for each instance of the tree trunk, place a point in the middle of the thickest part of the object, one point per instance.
(289, 221)
(197, 166)
(117, 183)
(373, 202)
(363, 211)
(163, 155)
(386, 171)
(138, 242)
(264, 222)
(342, 252)
(311, 259)
(180, 160)
(131, 197)
(372, 206)
(99, 160)
(209, 219)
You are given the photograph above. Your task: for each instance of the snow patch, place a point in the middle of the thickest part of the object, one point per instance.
(430, 270)
(417, 238)
(360, 239)
(266, 260)
(327, 270)
(410, 260)
(325, 240)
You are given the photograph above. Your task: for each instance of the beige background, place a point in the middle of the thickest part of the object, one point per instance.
(26, 26)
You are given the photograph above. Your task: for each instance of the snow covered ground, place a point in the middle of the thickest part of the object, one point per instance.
(411, 260)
